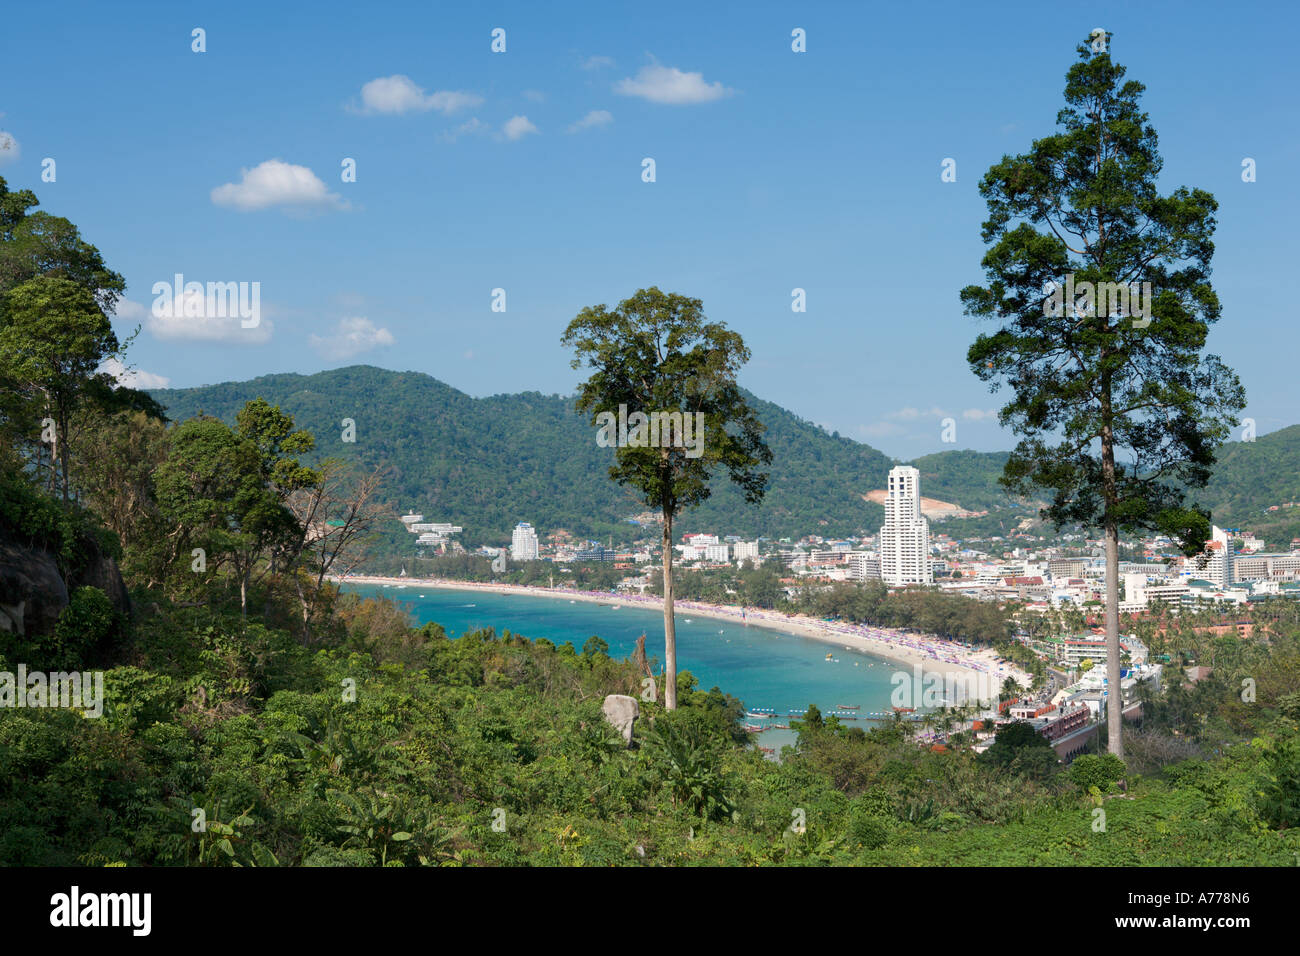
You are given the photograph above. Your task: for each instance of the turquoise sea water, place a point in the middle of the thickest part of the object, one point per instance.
(762, 666)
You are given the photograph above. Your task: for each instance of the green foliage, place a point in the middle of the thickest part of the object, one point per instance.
(88, 622)
(1117, 416)
(1101, 771)
(687, 759)
(1020, 748)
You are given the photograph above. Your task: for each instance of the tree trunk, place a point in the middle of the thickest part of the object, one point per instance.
(1114, 699)
(243, 591)
(670, 627)
(306, 610)
(62, 437)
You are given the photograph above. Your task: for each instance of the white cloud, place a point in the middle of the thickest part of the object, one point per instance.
(130, 311)
(469, 128)
(9, 148)
(399, 94)
(537, 96)
(593, 119)
(667, 84)
(208, 329)
(277, 183)
(597, 62)
(881, 430)
(912, 414)
(131, 377)
(351, 337)
(201, 325)
(517, 127)
(979, 414)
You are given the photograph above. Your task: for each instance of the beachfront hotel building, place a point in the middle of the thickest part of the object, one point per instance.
(523, 543)
(1215, 563)
(905, 536)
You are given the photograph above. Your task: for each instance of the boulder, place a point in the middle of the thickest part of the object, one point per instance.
(622, 711)
(32, 592)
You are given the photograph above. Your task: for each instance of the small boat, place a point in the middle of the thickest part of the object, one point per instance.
(848, 706)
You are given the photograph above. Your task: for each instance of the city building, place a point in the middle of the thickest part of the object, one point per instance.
(596, 553)
(1066, 568)
(1266, 567)
(716, 552)
(864, 566)
(905, 535)
(523, 543)
(1214, 564)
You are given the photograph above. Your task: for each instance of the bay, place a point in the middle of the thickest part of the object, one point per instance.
(762, 666)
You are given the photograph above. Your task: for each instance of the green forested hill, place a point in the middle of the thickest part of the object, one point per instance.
(488, 463)
(491, 462)
(969, 478)
(1252, 477)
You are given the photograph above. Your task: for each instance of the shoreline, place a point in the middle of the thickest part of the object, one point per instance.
(931, 654)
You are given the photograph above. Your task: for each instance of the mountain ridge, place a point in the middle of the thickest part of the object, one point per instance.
(488, 463)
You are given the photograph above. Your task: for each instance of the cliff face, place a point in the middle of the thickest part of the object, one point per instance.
(33, 590)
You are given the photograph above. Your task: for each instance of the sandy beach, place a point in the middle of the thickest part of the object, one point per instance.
(930, 654)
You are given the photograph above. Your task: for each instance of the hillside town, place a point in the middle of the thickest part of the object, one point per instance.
(1043, 575)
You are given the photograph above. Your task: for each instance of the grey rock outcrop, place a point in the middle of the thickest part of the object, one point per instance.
(622, 711)
(32, 592)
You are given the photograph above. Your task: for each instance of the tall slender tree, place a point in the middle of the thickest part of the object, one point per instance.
(653, 354)
(53, 336)
(1118, 409)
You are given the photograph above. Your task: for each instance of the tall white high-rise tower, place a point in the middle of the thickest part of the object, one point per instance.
(523, 543)
(905, 536)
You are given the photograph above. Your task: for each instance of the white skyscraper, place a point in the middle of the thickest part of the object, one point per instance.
(1218, 567)
(523, 544)
(905, 536)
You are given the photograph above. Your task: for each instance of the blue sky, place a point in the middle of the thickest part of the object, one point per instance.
(522, 171)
